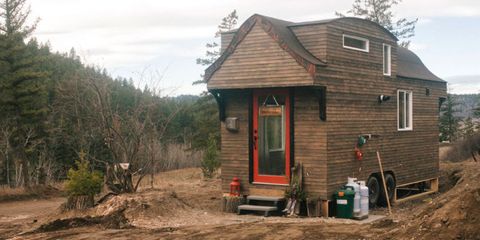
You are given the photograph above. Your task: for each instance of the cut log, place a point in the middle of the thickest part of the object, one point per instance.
(79, 202)
(230, 203)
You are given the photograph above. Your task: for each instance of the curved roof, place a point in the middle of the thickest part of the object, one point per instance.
(409, 65)
(346, 18)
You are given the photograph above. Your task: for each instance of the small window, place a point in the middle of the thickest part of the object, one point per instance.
(387, 60)
(356, 43)
(404, 110)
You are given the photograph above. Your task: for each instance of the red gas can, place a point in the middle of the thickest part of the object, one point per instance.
(235, 187)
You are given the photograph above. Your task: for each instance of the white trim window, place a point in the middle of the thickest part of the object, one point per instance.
(404, 110)
(356, 43)
(387, 60)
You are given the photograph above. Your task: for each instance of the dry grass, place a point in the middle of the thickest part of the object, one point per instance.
(462, 150)
(178, 156)
(186, 176)
(21, 193)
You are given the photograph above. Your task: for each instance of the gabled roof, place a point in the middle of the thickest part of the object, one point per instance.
(409, 65)
(278, 30)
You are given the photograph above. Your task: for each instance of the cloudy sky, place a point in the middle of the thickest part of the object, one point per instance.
(149, 40)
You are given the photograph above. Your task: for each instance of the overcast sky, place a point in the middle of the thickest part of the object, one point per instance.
(153, 39)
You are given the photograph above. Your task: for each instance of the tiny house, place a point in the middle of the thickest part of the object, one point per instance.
(306, 92)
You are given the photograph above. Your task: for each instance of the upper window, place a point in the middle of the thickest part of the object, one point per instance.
(356, 43)
(404, 110)
(387, 60)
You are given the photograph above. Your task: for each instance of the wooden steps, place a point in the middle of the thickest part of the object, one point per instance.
(263, 204)
(264, 198)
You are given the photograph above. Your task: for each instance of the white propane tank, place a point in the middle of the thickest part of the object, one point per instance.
(356, 200)
(363, 200)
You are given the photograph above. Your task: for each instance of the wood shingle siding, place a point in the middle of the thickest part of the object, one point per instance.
(258, 62)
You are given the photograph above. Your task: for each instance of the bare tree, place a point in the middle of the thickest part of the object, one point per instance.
(6, 133)
(128, 135)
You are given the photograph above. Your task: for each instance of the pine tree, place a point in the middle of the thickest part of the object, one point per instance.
(476, 113)
(476, 110)
(206, 120)
(380, 11)
(449, 123)
(468, 127)
(23, 96)
(213, 49)
(210, 161)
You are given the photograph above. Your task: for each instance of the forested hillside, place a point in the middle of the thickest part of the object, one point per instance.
(54, 110)
(467, 103)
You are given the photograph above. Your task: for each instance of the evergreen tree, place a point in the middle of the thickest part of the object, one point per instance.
(468, 127)
(23, 96)
(213, 49)
(449, 123)
(380, 11)
(476, 113)
(476, 110)
(206, 121)
(210, 161)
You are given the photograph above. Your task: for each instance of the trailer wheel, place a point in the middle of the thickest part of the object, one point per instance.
(373, 191)
(390, 182)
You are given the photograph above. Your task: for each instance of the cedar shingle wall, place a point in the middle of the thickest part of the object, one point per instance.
(313, 38)
(354, 80)
(259, 62)
(310, 143)
(234, 153)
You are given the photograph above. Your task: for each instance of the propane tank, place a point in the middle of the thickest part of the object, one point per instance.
(356, 200)
(363, 200)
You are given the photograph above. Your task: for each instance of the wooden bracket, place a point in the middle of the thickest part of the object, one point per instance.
(218, 95)
(441, 100)
(321, 93)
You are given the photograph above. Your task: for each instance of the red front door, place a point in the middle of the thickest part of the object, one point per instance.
(271, 136)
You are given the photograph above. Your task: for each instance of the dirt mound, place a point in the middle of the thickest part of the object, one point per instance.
(144, 205)
(114, 220)
(454, 214)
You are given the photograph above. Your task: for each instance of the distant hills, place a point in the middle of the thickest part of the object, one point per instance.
(466, 104)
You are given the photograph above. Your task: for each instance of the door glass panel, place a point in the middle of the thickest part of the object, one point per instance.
(271, 135)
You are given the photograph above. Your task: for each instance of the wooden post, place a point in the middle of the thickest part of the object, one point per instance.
(384, 183)
(325, 209)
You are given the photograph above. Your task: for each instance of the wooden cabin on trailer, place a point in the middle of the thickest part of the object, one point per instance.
(308, 92)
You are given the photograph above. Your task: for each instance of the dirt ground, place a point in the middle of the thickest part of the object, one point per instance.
(183, 206)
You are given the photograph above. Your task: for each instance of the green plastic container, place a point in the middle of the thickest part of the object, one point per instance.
(344, 201)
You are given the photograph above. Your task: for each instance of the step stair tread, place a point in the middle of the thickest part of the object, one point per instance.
(265, 198)
(257, 208)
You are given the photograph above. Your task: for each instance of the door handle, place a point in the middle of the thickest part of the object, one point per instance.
(255, 138)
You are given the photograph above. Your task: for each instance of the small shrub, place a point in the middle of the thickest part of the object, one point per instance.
(210, 161)
(83, 181)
